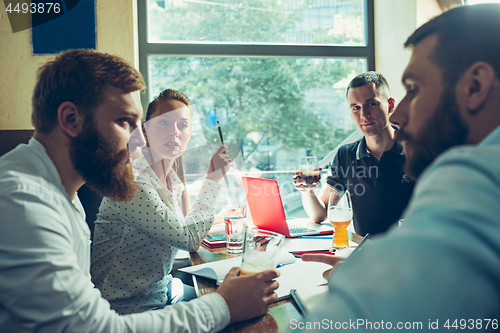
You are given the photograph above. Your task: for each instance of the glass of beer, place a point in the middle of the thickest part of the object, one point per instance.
(340, 215)
(260, 250)
(308, 166)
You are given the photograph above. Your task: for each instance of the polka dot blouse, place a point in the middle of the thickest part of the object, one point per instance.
(135, 243)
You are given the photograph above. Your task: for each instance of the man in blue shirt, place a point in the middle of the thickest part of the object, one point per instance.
(440, 270)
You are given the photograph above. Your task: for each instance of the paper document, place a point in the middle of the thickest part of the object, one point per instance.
(299, 275)
(306, 244)
(217, 270)
(294, 274)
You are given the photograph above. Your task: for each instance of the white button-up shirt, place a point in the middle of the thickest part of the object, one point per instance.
(45, 283)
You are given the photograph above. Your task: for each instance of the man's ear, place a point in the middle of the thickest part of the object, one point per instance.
(475, 86)
(70, 120)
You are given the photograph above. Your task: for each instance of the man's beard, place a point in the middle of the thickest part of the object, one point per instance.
(446, 129)
(103, 167)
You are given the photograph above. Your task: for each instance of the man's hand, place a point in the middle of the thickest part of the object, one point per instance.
(324, 258)
(247, 296)
(300, 183)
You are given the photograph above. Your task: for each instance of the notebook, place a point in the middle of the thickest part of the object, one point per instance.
(215, 240)
(266, 208)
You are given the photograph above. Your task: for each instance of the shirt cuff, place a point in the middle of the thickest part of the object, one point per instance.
(218, 307)
(209, 192)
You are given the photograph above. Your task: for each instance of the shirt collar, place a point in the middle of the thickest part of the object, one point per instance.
(53, 175)
(141, 166)
(363, 152)
(40, 150)
(492, 139)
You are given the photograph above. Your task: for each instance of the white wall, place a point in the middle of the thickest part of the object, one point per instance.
(116, 32)
(395, 20)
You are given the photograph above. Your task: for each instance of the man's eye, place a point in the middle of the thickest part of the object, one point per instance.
(123, 120)
(411, 90)
(184, 125)
(163, 122)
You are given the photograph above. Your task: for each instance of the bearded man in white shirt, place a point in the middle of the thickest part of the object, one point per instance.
(86, 110)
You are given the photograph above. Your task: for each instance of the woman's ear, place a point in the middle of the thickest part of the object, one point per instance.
(70, 120)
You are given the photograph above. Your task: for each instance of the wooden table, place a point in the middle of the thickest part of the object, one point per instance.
(279, 314)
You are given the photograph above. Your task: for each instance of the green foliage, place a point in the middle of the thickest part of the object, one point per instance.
(257, 100)
(221, 20)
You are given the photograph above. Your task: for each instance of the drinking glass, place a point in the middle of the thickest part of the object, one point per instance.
(308, 166)
(260, 250)
(340, 215)
(234, 221)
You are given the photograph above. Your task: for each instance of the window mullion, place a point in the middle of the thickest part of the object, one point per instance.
(253, 50)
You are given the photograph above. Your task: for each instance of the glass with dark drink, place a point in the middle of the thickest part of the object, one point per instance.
(308, 166)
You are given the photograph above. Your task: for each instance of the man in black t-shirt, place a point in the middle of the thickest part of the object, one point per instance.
(371, 169)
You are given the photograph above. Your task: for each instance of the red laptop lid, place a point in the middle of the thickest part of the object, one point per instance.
(264, 203)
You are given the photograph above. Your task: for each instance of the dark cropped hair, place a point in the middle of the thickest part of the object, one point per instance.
(80, 77)
(367, 77)
(466, 34)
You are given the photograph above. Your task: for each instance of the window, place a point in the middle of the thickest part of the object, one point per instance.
(475, 2)
(272, 72)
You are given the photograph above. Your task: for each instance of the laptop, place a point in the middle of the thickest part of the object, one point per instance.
(266, 208)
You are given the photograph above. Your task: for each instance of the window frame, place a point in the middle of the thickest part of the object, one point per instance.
(249, 49)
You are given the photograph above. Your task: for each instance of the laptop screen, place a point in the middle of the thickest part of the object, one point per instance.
(264, 203)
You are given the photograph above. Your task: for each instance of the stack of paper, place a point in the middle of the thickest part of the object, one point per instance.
(215, 240)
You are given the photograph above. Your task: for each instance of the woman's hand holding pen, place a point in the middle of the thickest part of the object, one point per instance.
(220, 163)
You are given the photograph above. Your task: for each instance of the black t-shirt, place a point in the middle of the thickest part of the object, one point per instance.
(379, 190)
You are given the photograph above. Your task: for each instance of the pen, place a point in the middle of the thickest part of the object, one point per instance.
(225, 176)
(298, 301)
(220, 133)
(281, 265)
(315, 252)
(305, 251)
